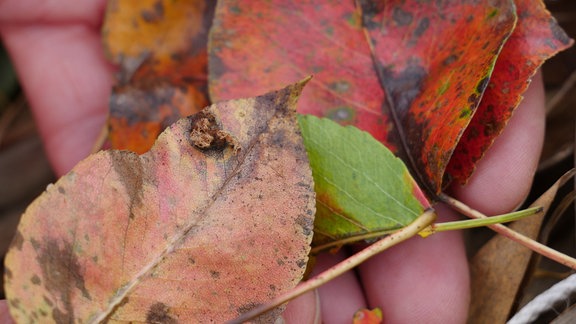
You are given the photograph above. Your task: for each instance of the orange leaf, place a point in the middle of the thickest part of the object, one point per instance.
(160, 47)
(213, 220)
(366, 316)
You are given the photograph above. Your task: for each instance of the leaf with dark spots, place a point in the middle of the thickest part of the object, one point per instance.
(536, 37)
(413, 78)
(160, 47)
(256, 46)
(133, 236)
(432, 67)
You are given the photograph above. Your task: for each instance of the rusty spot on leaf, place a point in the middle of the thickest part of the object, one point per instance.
(159, 314)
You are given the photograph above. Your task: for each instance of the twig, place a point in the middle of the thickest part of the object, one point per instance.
(399, 236)
(513, 235)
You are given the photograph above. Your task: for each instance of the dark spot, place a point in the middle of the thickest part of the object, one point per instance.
(35, 244)
(482, 85)
(130, 172)
(207, 136)
(191, 260)
(15, 303)
(307, 224)
(47, 301)
(159, 314)
(214, 274)
(558, 32)
(340, 86)
(7, 273)
(301, 263)
(61, 190)
(268, 317)
(35, 280)
(18, 240)
(473, 99)
(62, 273)
(155, 14)
(422, 27)
(342, 115)
(279, 138)
(465, 113)
(404, 86)
(272, 287)
(401, 17)
(450, 59)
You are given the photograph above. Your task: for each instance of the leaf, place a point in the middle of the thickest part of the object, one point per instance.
(215, 219)
(498, 268)
(160, 47)
(537, 37)
(366, 316)
(361, 187)
(256, 45)
(434, 62)
(431, 80)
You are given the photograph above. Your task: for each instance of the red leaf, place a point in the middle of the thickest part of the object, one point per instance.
(258, 45)
(536, 37)
(432, 59)
(434, 62)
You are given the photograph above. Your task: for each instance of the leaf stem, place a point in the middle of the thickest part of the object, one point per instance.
(399, 236)
(472, 223)
(513, 235)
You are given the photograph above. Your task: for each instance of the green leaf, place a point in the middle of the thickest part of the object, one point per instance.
(361, 187)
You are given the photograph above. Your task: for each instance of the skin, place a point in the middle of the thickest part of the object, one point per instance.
(56, 48)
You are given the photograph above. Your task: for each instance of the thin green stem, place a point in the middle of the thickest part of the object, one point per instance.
(513, 235)
(399, 236)
(480, 222)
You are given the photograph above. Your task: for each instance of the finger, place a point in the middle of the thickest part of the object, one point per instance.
(304, 309)
(4, 313)
(67, 82)
(503, 177)
(51, 11)
(341, 297)
(426, 280)
(420, 280)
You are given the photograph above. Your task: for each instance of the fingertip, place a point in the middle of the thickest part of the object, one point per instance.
(503, 177)
(420, 280)
(67, 82)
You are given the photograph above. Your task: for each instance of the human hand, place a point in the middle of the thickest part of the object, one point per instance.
(56, 48)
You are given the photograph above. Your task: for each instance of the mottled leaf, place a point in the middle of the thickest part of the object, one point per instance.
(434, 60)
(433, 80)
(361, 187)
(536, 37)
(257, 45)
(160, 47)
(215, 219)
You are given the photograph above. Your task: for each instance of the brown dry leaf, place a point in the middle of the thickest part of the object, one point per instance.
(213, 220)
(497, 270)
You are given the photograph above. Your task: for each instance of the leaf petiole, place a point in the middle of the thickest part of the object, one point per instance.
(472, 223)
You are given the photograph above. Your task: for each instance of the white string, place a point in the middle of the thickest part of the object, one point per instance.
(545, 301)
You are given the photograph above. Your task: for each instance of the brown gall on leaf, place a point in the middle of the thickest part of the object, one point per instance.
(206, 134)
